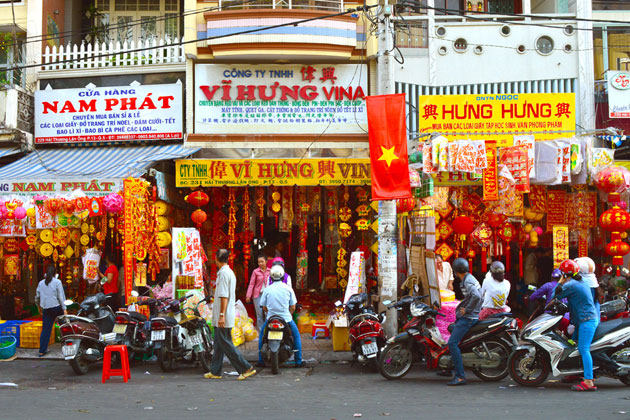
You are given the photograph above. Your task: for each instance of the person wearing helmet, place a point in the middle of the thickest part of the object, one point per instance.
(583, 316)
(467, 315)
(546, 290)
(495, 291)
(587, 272)
(287, 278)
(279, 299)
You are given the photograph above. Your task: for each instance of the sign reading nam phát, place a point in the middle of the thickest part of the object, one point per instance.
(470, 115)
(260, 172)
(280, 99)
(33, 187)
(106, 114)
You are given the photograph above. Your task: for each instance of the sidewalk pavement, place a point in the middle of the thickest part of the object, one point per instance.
(319, 350)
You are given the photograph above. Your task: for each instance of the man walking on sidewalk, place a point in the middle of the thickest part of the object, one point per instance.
(223, 321)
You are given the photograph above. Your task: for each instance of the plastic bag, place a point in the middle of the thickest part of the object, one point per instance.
(237, 336)
(240, 310)
(91, 261)
(250, 332)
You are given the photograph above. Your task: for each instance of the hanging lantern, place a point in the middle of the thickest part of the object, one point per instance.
(113, 203)
(613, 180)
(198, 217)
(615, 220)
(617, 250)
(404, 205)
(197, 198)
(463, 225)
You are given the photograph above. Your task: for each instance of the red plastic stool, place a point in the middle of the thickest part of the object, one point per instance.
(320, 327)
(108, 372)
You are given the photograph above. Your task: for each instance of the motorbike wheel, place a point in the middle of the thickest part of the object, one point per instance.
(527, 371)
(205, 356)
(495, 374)
(624, 354)
(275, 362)
(79, 364)
(166, 360)
(395, 361)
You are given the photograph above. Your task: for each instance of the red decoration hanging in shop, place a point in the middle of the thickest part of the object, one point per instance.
(276, 206)
(617, 250)
(615, 220)
(198, 217)
(613, 180)
(232, 224)
(405, 205)
(444, 230)
(246, 234)
(260, 202)
(445, 251)
(507, 233)
(197, 198)
(483, 236)
(462, 226)
(471, 257)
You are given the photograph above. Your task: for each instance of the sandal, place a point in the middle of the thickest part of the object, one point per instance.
(582, 386)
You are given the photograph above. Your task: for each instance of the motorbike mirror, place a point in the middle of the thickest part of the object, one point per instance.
(338, 304)
(68, 302)
(134, 293)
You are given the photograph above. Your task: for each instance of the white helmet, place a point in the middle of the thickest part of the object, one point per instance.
(587, 265)
(276, 273)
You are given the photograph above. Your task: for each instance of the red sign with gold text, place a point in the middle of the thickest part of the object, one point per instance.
(490, 178)
(516, 159)
(556, 208)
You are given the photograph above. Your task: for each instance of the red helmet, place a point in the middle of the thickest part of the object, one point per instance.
(569, 267)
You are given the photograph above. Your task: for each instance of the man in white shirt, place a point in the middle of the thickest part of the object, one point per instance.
(444, 272)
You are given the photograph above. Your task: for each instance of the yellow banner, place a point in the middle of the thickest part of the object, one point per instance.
(560, 244)
(479, 117)
(455, 179)
(260, 172)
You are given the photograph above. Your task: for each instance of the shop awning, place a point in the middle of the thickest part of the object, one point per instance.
(7, 151)
(92, 162)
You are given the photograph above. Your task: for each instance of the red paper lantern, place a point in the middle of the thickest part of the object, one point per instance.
(198, 217)
(617, 250)
(404, 205)
(615, 220)
(613, 180)
(197, 198)
(463, 225)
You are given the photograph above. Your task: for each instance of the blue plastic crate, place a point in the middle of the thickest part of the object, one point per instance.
(12, 328)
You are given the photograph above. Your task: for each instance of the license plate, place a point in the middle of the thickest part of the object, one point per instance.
(274, 335)
(158, 335)
(370, 349)
(69, 350)
(120, 328)
(195, 339)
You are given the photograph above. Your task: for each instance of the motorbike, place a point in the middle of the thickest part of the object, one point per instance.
(616, 308)
(133, 330)
(181, 337)
(485, 348)
(543, 349)
(365, 330)
(277, 345)
(86, 334)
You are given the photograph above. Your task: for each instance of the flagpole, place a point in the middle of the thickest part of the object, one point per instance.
(387, 251)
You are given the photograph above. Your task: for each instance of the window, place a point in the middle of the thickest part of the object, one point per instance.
(544, 45)
(137, 19)
(11, 56)
(611, 5)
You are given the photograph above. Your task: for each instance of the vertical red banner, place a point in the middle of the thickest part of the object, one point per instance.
(556, 208)
(490, 174)
(128, 236)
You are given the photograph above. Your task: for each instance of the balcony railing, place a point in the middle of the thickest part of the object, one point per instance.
(330, 5)
(412, 35)
(113, 54)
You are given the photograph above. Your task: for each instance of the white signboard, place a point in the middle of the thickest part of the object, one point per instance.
(618, 94)
(106, 114)
(280, 99)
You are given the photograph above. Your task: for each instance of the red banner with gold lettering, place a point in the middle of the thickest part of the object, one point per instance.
(490, 174)
(538, 198)
(556, 208)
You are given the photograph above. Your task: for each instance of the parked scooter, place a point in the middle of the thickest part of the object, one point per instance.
(133, 330)
(181, 337)
(544, 350)
(277, 345)
(616, 308)
(485, 348)
(367, 336)
(86, 334)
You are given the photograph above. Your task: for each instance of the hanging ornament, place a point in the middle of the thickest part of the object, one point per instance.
(507, 232)
(197, 198)
(113, 203)
(232, 224)
(462, 226)
(445, 251)
(345, 213)
(247, 233)
(260, 202)
(483, 236)
(613, 180)
(198, 217)
(444, 230)
(276, 207)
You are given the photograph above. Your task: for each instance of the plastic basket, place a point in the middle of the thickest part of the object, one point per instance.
(12, 328)
(29, 335)
(9, 351)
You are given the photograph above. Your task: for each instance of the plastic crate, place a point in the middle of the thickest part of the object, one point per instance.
(29, 335)
(182, 292)
(12, 328)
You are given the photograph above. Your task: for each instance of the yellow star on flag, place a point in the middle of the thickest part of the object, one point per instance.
(388, 155)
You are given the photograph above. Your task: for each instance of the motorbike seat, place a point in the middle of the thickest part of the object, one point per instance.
(501, 315)
(170, 320)
(137, 316)
(479, 326)
(609, 326)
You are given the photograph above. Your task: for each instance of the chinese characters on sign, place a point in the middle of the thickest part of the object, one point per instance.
(490, 174)
(275, 99)
(556, 208)
(207, 172)
(516, 160)
(104, 114)
(187, 255)
(560, 244)
(497, 113)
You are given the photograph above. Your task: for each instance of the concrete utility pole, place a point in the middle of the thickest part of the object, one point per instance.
(387, 252)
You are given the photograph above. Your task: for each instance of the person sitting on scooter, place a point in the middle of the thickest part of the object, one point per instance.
(279, 299)
(467, 315)
(287, 278)
(494, 291)
(546, 291)
(583, 316)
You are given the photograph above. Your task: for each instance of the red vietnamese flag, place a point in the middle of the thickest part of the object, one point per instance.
(388, 147)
